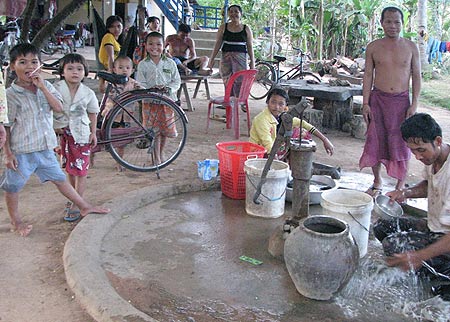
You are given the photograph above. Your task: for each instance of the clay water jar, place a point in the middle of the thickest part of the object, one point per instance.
(321, 256)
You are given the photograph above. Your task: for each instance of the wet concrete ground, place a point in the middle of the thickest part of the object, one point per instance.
(178, 260)
(172, 254)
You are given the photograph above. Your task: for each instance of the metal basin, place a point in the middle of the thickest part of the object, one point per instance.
(387, 208)
(318, 184)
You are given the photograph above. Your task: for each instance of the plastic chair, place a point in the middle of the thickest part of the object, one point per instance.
(231, 103)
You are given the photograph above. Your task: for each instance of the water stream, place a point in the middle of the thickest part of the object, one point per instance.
(376, 288)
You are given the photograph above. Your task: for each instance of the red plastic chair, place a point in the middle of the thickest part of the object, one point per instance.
(231, 103)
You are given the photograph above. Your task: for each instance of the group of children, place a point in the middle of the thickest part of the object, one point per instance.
(37, 110)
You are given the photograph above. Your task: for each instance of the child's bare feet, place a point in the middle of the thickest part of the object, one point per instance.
(94, 210)
(187, 71)
(22, 229)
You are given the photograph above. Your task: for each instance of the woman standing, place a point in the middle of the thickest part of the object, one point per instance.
(235, 39)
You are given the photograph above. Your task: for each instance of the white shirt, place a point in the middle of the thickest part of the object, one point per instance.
(3, 107)
(165, 73)
(75, 111)
(438, 198)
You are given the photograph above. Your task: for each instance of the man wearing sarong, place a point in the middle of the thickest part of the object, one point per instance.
(418, 243)
(390, 64)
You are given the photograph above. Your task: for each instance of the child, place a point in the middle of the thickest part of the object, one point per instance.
(159, 71)
(31, 138)
(76, 124)
(264, 128)
(123, 65)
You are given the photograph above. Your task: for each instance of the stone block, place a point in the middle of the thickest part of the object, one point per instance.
(314, 117)
(358, 127)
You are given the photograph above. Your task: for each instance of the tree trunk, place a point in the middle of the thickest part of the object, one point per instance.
(27, 15)
(42, 36)
(320, 40)
(422, 31)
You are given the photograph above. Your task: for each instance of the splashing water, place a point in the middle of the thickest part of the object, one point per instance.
(376, 288)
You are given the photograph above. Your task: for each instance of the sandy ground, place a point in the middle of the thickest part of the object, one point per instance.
(32, 280)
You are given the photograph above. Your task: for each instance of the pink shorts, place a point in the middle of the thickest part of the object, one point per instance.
(74, 156)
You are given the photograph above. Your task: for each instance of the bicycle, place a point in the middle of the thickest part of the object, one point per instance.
(124, 135)
(270, 74)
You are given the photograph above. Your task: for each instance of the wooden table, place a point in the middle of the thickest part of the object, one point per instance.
(336, 102)
(183, 89)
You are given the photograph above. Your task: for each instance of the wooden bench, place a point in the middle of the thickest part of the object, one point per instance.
(183, 88)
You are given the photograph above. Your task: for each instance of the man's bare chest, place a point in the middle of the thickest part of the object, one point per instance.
(392, 58)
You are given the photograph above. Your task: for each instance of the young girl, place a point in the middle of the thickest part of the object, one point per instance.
(264, 126)
(76, 124)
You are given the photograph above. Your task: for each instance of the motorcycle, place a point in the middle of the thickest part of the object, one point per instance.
(11, 35)
(63, 41)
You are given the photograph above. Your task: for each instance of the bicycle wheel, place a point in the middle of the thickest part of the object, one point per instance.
(145, 131)
(265, 78)
(307, 76)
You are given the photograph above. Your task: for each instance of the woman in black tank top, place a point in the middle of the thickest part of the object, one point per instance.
(235, 39)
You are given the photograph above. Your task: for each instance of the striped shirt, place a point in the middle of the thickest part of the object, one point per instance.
(30, 119)
(165, 73)
(3, 109)
(234, 41)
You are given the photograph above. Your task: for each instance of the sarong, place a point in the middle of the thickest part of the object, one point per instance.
(230, 63)
(161, 118)
(384, 142)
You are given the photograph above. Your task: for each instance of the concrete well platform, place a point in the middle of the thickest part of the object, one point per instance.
(171, 253)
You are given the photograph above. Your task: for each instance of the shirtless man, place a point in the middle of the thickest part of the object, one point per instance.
(182, 50)
(390, 63)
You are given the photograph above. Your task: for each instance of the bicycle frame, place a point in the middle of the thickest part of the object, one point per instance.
(297, 69)
(117, 100)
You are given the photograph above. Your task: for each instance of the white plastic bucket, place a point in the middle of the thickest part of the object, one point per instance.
(354, 207)
(273, 192)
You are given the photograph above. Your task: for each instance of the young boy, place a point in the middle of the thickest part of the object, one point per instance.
(76, 124)
(159, 71)
(264, 126)
(31, 138)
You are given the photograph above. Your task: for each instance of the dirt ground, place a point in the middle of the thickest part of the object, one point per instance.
(32, 281)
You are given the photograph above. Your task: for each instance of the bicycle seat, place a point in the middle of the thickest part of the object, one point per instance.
(279, 58)
(113, 78)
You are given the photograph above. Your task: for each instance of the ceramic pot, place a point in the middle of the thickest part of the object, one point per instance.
(320, 256)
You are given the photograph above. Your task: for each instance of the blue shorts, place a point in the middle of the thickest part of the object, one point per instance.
(43, 163)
